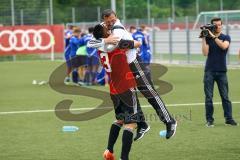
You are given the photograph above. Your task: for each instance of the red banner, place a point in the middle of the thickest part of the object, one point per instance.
(31, 39)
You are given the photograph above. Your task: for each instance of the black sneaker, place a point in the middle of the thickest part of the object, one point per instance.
(231, 123)
(141, 131)
(171, 129)
(209, 124)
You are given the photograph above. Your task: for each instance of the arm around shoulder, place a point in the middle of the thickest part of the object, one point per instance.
(95, 43)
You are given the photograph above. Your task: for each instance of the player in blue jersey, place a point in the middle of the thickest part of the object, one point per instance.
(144, 52)
(132, 29)
(78, 62)
(93, 60)
(67, 36)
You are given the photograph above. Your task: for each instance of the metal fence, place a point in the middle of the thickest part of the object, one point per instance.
(180, 43)
(173, 42)
(184, 46)
(177, 42)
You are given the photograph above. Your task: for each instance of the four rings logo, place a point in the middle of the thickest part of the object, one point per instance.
(19, 40)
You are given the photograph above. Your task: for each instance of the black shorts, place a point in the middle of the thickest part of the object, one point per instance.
(78, 61)
(127, 107)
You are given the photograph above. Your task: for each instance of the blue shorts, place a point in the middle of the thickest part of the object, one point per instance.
(93, 60)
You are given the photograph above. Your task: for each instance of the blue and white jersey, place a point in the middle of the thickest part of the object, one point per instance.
(75, 43)
(139, 36)
(91, 51)
(145, 52)
(101, 77)
(67, 36)
(67, 52)
(147, 38)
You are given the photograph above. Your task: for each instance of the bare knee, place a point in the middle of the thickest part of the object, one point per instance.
(131, 126)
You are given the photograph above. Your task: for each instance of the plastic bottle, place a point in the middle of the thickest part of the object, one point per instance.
(163, 133)
(70, 128)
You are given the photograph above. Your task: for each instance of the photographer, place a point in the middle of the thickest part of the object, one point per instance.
(215, 46)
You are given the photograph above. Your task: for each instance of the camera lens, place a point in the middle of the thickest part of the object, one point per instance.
(205, 33)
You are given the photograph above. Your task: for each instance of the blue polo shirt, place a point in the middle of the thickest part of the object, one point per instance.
(216, 59)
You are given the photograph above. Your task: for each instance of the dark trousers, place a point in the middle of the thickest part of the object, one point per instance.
(221, 79)
(145, 86)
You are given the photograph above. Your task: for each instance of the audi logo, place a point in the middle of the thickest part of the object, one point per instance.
(25, 40)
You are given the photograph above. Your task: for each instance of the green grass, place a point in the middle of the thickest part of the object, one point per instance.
(193, 58)
(38, 135)
(30, 57)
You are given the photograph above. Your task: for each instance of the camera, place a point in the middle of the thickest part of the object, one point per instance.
(205, 28)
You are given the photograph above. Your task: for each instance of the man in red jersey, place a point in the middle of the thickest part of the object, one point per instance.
(123, 94)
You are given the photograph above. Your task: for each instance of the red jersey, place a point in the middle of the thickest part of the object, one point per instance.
(117, 68)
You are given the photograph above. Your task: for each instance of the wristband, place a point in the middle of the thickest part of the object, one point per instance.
(126, 44)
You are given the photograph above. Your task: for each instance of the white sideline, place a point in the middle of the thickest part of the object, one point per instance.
(82, 109)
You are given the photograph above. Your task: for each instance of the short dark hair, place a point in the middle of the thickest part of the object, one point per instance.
(98, 31)
(107, 13)
(216, 19)
(83, 34)
(70, 26)
(90, 29)
(132, 27)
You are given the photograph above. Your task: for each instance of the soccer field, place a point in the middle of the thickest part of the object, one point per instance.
(38, 135)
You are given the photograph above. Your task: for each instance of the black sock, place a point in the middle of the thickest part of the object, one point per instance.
(127, 139)
(75, 76)
(113, 135)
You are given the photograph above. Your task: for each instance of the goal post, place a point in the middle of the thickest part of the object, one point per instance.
(228, 17)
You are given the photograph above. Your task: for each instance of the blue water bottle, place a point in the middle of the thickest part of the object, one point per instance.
(163, 133)
(70, 128)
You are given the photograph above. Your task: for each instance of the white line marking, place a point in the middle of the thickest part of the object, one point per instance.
(86, 109)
